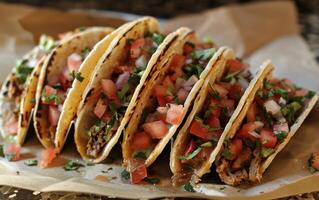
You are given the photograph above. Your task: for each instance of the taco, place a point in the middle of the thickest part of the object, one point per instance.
(17, 95)
(121, 74)
(217, 105)
(270, 117)
(72, 61)
(165, 101)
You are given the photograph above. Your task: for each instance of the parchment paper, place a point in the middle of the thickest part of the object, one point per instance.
(259, 31)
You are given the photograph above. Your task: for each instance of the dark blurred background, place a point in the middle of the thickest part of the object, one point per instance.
(308, 10)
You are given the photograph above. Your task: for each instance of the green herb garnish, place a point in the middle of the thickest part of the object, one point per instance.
(47, 98)
(46, 43)
(77, 75)
(203, 54)
(72, 166)
(265, 152)
(31, 162)
(188, 187)
(125, 174)
(86, 50)
(310, 94)
(191, 155)
(158, 38)
(143, 154)
(121, 94)
(281, 135)
(22, 70)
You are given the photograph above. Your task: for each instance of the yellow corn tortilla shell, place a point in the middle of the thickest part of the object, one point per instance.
(266, 74)
(182, 137)
(51, 71)
(156, 79)
(104, 70)
(20, 106)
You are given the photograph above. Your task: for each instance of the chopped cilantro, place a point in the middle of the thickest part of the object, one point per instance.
(208, 40)
(188, 187)
(90, 164)
(57, 86)
(281, 135)
(158, 38)
(143, 154)
(151, 50)
(46, 43)
(203, 54)
(47, 98)
(227, 154)
(265, 152)
(31, 162)
(77, 75)
(121, 94)
(283, 93)
(125, 174)
(82, 28)
(193, 69)
(311, 94)
(153, 180)
(86, 50)
(129, 40)
(112, 107)
(191, 155)
(22, 70)
(249, 143)
(72, 165)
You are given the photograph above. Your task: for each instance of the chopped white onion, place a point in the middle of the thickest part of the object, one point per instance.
(189, 61)
(272, 107)
(254, 134)
(258, 125)
(281, 127)
(122, 79)
(282, 101)
(190, 82)
(162, 110)
(141, 62)
(243, 82)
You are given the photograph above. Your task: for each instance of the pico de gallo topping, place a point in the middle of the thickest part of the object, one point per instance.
(118, 90)
(16, 84)
(55, 92)
(208, 125)
(166, 104)
(274, 110)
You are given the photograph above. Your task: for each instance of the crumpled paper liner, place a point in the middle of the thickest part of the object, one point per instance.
(244, 28)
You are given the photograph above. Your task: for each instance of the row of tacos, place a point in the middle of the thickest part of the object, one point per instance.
(149, 87)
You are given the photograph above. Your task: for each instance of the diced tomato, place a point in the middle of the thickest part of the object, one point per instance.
(109, 88)
(100, 108)
(228, 103)
(48, 90)
(168, 82)
(162, 111)
(191, 147)
(137, 170)
(216, 111)
(235, 91)
(251, 113)
(47, 157)
(301, 93)
(268, 138)
(13, 150)
(174, 114)
(11, 126)
(198, 129)
(157, 129)
(213, 121)
(177, 61)
(54, 115)
(220, 90)
(187, 49)
(65, 79)
(141, 140)
(161, 100)
(315, 161)
(182, 95)
(214, 103)
(121, 69)
(74, 62)
(245, 130)
(234, 65)
(136, 47)
(160, 90)
(236, 148)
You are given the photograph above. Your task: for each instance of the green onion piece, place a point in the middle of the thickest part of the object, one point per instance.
(191, 155)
